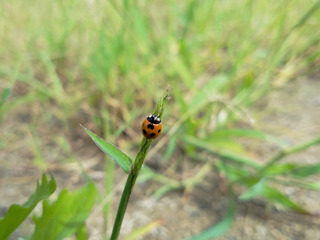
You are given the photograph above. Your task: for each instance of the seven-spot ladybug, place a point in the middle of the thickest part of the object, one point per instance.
(151, 127)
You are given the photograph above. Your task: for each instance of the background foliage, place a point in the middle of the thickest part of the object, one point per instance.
(105, 63)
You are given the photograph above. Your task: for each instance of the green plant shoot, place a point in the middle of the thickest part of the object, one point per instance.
(129, 167)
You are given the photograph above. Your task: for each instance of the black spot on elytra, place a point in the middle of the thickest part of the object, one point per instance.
(159, 130)
(144, 132)
(152, 134)
(150, 126)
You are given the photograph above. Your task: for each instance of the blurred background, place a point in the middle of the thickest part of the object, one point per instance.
(244, 83)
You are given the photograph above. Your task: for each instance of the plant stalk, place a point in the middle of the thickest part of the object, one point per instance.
(131, 180)
(134, 172)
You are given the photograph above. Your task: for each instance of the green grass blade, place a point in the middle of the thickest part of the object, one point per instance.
(276, 196)
(222, 226)
(223, 154)
(250, 133)
(171, 148)
(254, 191)
(234, 172)
(308, 185)
(162, 103)
(306, 171)
(18, 213)
(289, 151)
(119, 157)
(82, 234)
(66, 215)
(280, 169)
(298, 183)
(261, 189)
(307, 15)
(5, 94)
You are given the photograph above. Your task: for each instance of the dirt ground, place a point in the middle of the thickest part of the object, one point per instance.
(291, 113)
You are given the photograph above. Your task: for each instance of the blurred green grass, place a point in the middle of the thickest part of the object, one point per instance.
(105, 63)
(118, 56)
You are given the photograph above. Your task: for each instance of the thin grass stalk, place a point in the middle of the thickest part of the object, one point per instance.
(134, 173)
(131, 180)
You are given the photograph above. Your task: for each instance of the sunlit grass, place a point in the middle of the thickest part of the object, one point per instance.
(107, 62)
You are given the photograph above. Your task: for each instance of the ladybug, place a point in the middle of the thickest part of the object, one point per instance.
(151, 127)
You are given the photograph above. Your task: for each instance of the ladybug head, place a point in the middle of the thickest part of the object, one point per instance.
(154, 119)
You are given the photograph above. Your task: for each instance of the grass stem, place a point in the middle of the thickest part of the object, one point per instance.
(289, 151)
(134, 172)
(131, 180)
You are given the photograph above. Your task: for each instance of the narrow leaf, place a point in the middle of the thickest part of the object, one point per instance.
(254, 191)
(82, 234)
(17, 213)
(306, 16)
(309, 185)
(233, 171)
(119, 157)
(306, 171)
(225, 133)
(220, 152)
(280, 169)
(171, 148)
(272, 194)
(162, 104)
(222, 226)
(276, 196)
(66, 215)
(5, 94)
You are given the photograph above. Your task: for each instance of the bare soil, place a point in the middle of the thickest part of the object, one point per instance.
(291, 113)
